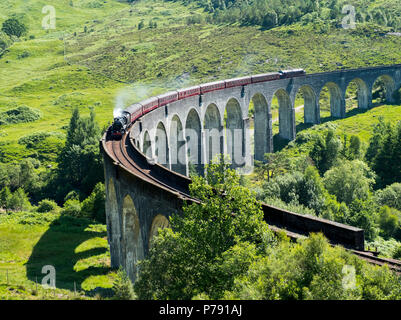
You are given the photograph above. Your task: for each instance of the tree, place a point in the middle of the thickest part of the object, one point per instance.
(94, 206)
(19, 201)
(349, 181)
(325, 152)
(122, 286)
(389, 221)
(274, 164)
(5, 195)
(354, 150)
(384, 153)
(13, 27)
(296, 188)
(390, 196)
(187, 260)
(80, 165)
(379, 132)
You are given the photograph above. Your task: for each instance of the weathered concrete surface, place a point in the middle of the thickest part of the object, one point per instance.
(134, 211)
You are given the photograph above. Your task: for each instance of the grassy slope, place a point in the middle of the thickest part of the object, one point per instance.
(77, 249)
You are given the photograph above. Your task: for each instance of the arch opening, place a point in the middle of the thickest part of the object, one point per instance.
(213, 137)
(306, 101)
(383, 90)
(161, 146)
(159, 222)
(193, 135)
(286, 117)
(234, 133)
(147, 145)
(331, 101)
(356, 95)
(177, 146)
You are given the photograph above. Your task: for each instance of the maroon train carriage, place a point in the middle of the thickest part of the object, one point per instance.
(135, 110)
(149, 104)
(212, 86)
(237, 82)
(167, 98)
(188, 92)
(265, 77)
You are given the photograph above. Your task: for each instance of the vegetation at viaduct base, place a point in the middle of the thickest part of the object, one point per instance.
(58, 89)
(222, 249)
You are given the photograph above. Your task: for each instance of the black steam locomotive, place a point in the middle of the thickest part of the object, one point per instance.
(119, 126)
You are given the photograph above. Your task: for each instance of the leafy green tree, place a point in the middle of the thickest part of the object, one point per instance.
(384, 153)
(14, 27)
(47, 205)
(72, 208)
(389, 221)
(306, 189)
(80, 165)
(312, 191)
(354, 150)
(187, 262)
(380, 130)
(19, 201)
(122, 286)
(363, 214)
(5, 195)
(274, 164)
(94, 206)
(349, 181)
(390, 196)
(326, 151)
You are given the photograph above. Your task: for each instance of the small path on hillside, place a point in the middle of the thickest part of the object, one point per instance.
(297, 109)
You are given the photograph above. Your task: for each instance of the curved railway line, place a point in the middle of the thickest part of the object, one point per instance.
(126, 155)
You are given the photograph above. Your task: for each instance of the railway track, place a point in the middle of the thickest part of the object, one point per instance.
(125, 155)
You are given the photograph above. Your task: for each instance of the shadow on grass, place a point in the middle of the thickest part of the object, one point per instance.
(57, 247)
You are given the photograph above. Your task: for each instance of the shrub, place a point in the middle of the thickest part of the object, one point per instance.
(72, 195)
(13, 27)
(122, 286)
(389, 221)
(19, 201)
(5, 41)
(23, 55)
(397, 253)
(94, 206)
(390, 196)
(31, 140)
(47, 205)
(72, 208)
(19, 115)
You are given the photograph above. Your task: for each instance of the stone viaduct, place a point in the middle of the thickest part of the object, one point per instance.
(136, 207)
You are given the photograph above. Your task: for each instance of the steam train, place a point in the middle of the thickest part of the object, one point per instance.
(137, 110)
